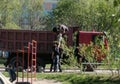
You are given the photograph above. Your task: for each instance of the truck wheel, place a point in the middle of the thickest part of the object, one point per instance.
(40, 65)
(13, 62)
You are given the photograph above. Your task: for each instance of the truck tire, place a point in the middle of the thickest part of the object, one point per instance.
(40, 65)
(13, 62)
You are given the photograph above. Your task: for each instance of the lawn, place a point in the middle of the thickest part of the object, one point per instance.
(75, 78)
(78, 78)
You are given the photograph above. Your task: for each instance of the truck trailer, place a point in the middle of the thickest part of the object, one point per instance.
(12, 40)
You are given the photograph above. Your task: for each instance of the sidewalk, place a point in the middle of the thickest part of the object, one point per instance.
(40, 81)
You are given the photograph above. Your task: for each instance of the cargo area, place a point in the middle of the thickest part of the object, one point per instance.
(11, 40)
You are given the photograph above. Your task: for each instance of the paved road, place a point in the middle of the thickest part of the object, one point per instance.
(2, 69)
(75, 70)
(41, 81)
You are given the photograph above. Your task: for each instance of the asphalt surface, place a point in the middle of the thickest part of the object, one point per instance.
(77, 70)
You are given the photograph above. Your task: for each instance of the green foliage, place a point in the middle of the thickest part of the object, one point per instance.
(86, 14)
(114, 56)
(12, 13)
(68, 53)
(116, 2)
(7, 11)
(11, 26)
(85, 50)
(34, 10)
(77, 78)
(2, 61)
(102, 15)
(93, 52)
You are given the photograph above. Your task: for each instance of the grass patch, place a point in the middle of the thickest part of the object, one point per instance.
(2, 61)
(77, 78)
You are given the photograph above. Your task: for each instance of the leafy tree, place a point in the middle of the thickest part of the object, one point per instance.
(16, 12)
(101, 15)
(8, 9)
(63, 13)
(32, 12)
(116, 2)
(87, 14)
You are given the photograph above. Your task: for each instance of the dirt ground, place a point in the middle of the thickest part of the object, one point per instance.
(42, 81)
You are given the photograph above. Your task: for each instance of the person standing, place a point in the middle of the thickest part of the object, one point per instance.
(57, 51)
(59, 39)
(11, 73)
(56, 65)
(52, 60)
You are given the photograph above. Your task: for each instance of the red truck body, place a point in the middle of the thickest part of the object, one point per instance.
(87, 36)
(12, 40)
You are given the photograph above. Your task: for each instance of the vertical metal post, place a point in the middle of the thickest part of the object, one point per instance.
(34, 52)
(28, 66)
(17, 65)
(23, 64)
